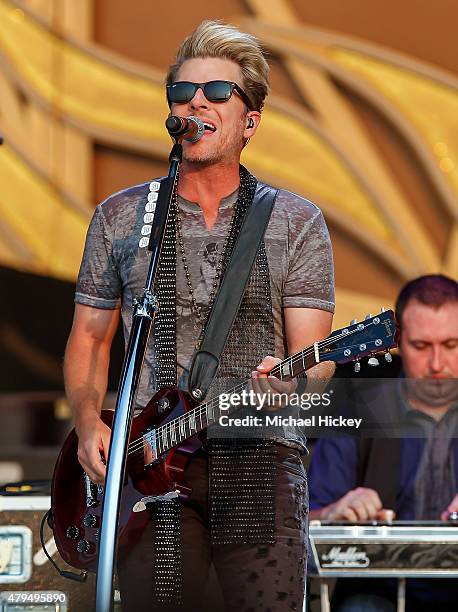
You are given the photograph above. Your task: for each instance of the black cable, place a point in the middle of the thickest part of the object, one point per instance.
(65, 574)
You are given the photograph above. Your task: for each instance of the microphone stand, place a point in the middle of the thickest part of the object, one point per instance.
(144, 312)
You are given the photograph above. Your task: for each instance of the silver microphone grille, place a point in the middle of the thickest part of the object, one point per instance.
(200, 131)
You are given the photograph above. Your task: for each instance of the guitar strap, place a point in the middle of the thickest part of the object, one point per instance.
(379, 467)
(380, 456)
(238, 334)
(227, 303)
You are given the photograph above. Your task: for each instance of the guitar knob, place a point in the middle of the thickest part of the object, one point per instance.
(388, 357)
(72, 532)
(368, 316)
(90, 520)
(357, 367)
(373, 361)
(382, 309)
(83, 546)
(353, 321)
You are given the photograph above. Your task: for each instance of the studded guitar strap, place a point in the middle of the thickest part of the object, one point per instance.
(238, 334)
(230, 295)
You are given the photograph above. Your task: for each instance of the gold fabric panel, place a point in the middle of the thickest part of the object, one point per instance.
(431, 106)
(294, 156)
(114, 103)
(78, 86)
(111, 100)
(38, 231)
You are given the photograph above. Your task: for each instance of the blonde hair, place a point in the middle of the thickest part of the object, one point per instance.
(217, 39)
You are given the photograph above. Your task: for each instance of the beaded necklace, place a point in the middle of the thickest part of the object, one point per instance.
(219, 266)
(244, 199)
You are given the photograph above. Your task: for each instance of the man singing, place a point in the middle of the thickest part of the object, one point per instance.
(258, 544)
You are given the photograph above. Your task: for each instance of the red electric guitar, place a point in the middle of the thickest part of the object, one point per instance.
(163, 438)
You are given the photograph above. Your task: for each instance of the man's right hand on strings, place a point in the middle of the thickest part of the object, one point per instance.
(93, 445)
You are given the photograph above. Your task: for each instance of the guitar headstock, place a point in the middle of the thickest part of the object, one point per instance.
(363, 339)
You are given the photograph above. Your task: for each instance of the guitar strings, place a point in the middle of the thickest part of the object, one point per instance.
(169, 429)
(164, 431)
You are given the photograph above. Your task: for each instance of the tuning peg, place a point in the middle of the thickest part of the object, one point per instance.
(373, 361)
(357, 367)
(382, 309)
(368, 316)
(388, 357)
(353, 321)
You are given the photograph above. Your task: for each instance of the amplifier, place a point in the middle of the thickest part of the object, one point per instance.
(28, 581)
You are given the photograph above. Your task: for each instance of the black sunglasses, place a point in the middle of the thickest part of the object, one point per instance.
(215, 91)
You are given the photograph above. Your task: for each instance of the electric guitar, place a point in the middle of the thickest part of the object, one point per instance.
(162, 440)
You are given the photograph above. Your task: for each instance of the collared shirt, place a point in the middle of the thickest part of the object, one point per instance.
(334, 469)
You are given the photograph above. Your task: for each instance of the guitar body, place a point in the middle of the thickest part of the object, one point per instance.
(76, 504)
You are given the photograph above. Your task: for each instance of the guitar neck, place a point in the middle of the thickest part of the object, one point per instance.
(297, 364)
(351, 343)
(203, 416)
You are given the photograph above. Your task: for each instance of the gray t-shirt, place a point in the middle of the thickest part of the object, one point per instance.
(114, 265)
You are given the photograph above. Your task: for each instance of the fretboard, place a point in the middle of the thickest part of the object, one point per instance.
(203, 416)
(350, 343)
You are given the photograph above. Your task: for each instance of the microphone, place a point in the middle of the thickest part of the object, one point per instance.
(191, 128)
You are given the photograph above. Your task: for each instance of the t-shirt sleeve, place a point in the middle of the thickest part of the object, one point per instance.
(310, 277)
(98, 283)
(333, 470)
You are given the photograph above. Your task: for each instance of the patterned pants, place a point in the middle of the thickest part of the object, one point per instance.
(253, 578)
